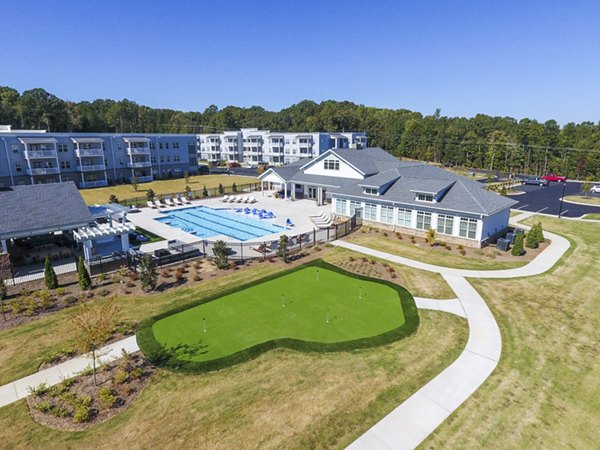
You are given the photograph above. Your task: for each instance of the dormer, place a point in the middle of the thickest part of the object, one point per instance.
(431, 191)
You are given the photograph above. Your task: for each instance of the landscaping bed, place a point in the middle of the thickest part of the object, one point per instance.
(78, 403)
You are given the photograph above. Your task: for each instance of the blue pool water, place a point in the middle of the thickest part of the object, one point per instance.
(205, 222)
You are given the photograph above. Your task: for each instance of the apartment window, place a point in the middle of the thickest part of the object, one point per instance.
(354, 206)
(371, 191)
(18, 167)
(404, 218)
(168, 158)
(152, 146)
(121, 161)
(162, 159)
(423, 220)
(62, 148)
(153, 159)
(425, 197)
(371, 211)
(176, 158)
(65, 164)
(191, 147)
(340, 207)
(175, 145)
(467, 228)
(387, 214)
(160, 145)
(445, 224)
(167, 145)
(119, 146)
(331, 164)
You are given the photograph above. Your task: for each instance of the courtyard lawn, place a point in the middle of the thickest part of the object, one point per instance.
(313, 307)
(160, 187)
(583, 199)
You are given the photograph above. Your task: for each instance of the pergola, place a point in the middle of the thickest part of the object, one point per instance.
(88, 235)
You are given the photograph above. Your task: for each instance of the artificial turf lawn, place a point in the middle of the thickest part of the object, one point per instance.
(255, 315)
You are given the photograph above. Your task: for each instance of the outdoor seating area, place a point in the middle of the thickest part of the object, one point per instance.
(239, 199)
(322, 220)
(34, 250)
(260, 213)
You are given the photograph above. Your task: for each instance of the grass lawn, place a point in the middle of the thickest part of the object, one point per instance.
(151, 236)
(583, 199)
(313, 304)
(592, 216)
(545, 392)
(474, 259)
(126, 191)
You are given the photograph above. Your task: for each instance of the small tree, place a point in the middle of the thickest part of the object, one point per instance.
(50, 278)
(135, 183)
(83, 276)
(148, 275)
(586, 187)
(282, 250)
(431, 237)
(532, 239)
(539, 232)
(503, 191)
(220, 251)
(263, 249)
(95, 324)
(113, 199)
(234, 188)
(150, 195)
(517, 249)
(186, 177)
(221, 189)
(187, 190)
(3, 294)
(204, 192)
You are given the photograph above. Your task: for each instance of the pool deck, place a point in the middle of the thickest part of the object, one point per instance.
(298, 211)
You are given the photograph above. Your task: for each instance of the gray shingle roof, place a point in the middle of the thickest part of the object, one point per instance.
(28, 209)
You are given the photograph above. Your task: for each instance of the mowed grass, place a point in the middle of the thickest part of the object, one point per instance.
(160, 187)
(592, 216)
(312, 304)
(583, 199)
(545, 392)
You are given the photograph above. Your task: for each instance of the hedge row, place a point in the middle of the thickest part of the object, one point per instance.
(162, 357)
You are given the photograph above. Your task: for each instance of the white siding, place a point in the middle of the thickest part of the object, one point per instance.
(345, 171)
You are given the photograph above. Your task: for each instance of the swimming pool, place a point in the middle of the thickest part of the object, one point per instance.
(205, 222)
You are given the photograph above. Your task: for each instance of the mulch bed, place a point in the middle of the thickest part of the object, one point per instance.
(119, 383)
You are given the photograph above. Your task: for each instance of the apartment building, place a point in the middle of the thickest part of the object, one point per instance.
(253, 146)
(93, 159)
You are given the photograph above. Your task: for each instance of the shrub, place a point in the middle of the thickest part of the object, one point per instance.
(101, 277)
(31, 306)
(531, 240)
(462, 252)
(113, 199)
(82, 414)
(282, 249)
(178, 275)
(16, 305)
(39, 390)
(204, 192)
(136, 373)
(121, 377)
(317, 248)
(398, 235)
(130, 284)
(60, 291)
(220, 251)
(50, 278)
(221, 189)
(133, 276)
(197, 277)
(517, 249)
(46, 300)
(69, 300)
(234, 187)
(44, 407)
(107, 397)
(430, 237)
(148, 275)
(385, 234)
(165, 274)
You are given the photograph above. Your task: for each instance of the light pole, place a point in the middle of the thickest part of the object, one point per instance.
(561, 198)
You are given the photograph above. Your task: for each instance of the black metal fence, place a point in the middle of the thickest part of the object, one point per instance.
(197, 193)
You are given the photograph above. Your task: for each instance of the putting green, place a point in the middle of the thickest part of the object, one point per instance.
(315, 304)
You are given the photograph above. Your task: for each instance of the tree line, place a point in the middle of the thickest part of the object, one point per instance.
(483, 141)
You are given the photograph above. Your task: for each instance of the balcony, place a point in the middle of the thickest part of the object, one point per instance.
(93, 184)
(37, 154)
(139, 164)
(90, 152)
(145, 179)
(91, 167)
(43, 171)
(138, 150)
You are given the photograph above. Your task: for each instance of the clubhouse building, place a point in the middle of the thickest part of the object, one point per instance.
(403, 196)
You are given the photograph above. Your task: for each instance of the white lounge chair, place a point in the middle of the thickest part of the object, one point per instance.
(245, 199)
(225, 199)
(151, 204)
(178, 201)
(321, 216)
(251, 199)
(326, 224)
(187, 201)
(169, 202)
(158, 204)
(238, 199)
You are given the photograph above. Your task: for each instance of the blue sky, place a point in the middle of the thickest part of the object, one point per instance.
(537, 59)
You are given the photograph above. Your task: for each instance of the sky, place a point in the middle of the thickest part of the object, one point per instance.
(535, 59)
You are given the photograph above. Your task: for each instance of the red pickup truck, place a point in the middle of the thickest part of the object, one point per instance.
(554, 177)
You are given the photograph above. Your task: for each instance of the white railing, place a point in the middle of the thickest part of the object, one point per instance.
(43, 171)
(82, 153)
(92, 184)
(32, 154)
(139, 164)
(91, 167)
(145, 179)
(138, 150)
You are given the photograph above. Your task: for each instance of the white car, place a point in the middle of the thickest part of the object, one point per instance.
(595, 189)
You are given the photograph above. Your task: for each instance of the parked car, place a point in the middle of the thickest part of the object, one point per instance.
(554, 177)
(595, 189)
(536, 180)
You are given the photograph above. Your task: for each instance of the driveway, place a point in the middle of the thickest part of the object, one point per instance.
(546, 200)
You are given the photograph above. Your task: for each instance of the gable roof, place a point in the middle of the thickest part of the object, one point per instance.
(41, 208)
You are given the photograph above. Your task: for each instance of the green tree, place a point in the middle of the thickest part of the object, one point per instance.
(282, 249)
(539, 232)
(147, 273)
(220, 251)
(188, 189)
(204, 192)
(83, 276)
(234, 188)
(135, 183)
(3, 295)
(517, 248)
(586, 187)
(50, 278)
(532, 238)
(221, 189)
(431, 237)
(94, 325)
(503, 191)
(186, 177)
(150, 195)
(113, 199)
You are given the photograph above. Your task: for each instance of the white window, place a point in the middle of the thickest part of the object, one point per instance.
(387, 214)
(468, 228)
(354, 206)
(65, 164)
(62, 148)
(423, 220)
(445, 224)
(370, 211)
(152, 146)
(404, 217)
(340, 207)
(175, 145)
(18, 167)
(331, 164)
(176, 158)
(425, 198)
(371, 191)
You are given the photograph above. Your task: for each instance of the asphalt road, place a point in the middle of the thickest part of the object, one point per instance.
(546, 199)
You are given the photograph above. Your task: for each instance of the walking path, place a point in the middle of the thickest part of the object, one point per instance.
(411, 422)
(19, 389)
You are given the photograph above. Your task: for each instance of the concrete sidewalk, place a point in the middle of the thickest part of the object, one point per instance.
(19, 389)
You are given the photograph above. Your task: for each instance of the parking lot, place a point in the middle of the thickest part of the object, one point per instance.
(546, 199)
